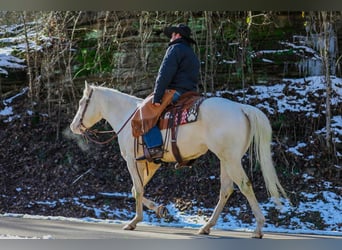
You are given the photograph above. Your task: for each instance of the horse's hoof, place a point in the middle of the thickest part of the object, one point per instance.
(204, 231)
(257, 235)
(162, 212)
(129, 227)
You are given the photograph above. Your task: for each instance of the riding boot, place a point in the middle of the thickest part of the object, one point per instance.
(152, 154)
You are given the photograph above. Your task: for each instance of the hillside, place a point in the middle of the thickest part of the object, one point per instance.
(70, 177)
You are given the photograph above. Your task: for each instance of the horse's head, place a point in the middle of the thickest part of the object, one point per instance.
(88, 112)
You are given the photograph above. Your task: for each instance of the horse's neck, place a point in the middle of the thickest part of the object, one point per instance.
(116, 107)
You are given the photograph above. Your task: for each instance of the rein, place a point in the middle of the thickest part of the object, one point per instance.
(87, 132)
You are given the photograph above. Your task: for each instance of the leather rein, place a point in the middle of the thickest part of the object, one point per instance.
(87, 132)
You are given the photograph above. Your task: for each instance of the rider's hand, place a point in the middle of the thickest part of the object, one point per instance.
(157, 104)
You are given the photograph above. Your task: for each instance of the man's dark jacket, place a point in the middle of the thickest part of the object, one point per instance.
(179, 70)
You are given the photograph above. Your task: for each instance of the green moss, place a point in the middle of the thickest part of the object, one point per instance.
(90, 59)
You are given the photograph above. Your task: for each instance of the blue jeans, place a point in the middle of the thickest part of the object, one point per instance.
(153, 138)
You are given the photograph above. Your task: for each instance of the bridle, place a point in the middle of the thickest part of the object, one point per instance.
(87, 132)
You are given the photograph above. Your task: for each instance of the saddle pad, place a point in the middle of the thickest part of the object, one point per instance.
(184, 111)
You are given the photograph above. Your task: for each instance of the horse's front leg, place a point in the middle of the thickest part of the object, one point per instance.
(160, 210)
(137, 192)
(149, 170)
(138, 209)
(141, 174)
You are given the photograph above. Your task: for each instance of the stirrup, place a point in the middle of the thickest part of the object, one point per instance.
(152, 154)
(145, 156)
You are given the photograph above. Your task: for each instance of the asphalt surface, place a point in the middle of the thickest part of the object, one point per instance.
(61, 229)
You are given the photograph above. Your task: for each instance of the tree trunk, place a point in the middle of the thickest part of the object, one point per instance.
(326, 31)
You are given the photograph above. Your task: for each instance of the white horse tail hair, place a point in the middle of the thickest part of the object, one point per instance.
(260, 137)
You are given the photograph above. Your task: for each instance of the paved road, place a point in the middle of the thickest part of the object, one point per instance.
(56, 229)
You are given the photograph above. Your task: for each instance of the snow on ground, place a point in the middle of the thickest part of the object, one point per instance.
(326, 203)
(16, 44)
(8, 110)
(330, 208)
(17, 237)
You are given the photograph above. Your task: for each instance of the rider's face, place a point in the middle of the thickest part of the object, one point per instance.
(175, 36)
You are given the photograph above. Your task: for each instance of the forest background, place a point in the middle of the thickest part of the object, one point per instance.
(123, 49)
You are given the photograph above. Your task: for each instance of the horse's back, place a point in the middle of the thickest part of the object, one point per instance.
(221, 111)
(221, 126)
(225, 124)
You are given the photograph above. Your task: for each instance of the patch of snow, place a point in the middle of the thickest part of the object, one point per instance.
(294, 150)
(16, 237)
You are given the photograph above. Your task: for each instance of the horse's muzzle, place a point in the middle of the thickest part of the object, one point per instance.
(75, 129)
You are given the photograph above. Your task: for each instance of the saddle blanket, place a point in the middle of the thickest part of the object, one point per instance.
(183, 112)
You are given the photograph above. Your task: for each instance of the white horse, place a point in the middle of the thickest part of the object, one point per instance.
(224, 127)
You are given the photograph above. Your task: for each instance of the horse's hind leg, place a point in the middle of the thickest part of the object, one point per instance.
(240, 178)
(148, 172)
(225, 191)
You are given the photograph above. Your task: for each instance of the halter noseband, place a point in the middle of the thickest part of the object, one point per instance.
(84, 111)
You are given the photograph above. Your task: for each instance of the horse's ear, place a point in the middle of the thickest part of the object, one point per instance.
(86, 85)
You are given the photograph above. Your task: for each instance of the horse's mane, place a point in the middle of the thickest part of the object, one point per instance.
(112, 90)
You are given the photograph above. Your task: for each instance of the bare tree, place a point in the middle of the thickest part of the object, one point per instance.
(326, 32)
(209, 51)
(28, 57)
(320, 25)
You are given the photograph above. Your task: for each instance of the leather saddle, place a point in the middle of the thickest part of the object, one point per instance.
(167, 116)
(184, 111)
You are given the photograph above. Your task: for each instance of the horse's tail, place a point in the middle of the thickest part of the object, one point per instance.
(261, 136)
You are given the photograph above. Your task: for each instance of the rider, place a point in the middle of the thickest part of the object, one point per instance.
(179, 70)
